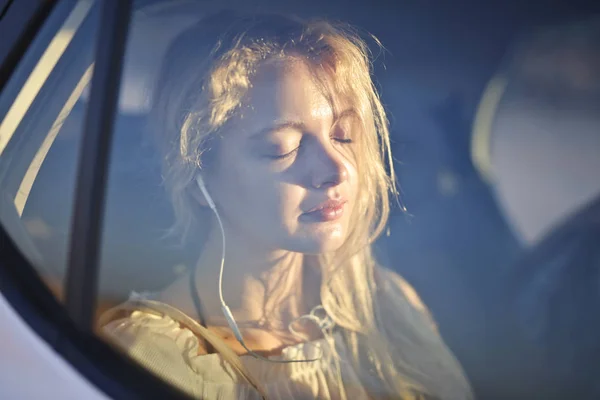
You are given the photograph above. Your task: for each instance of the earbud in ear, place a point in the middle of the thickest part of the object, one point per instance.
(204, 191)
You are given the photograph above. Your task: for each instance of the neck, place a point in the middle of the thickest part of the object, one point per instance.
(263, 289)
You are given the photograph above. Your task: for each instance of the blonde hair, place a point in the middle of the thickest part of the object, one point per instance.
(202, 86)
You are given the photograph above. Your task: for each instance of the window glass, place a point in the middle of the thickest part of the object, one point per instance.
(137, 253)
(40, 128)
(162, 244)
(315, 207)
(204, 95)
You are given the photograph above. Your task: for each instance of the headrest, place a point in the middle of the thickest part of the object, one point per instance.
(536, 136)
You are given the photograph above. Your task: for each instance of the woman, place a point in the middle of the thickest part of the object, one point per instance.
(278, 164)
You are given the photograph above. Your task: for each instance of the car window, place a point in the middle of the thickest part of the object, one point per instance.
(175, 200)
(40, 131)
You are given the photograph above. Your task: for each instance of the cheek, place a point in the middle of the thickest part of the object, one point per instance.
(352, 181)
(353, 191)
(250, 195)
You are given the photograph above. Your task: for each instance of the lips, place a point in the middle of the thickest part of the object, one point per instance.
(329, 210)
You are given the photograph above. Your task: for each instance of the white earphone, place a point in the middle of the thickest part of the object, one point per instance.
(224, 308)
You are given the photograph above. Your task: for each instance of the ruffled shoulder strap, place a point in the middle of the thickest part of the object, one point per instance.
(159, 308)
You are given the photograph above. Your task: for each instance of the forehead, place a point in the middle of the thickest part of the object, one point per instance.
(289, 91)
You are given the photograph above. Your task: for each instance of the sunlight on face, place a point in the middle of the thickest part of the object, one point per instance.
(285, 177)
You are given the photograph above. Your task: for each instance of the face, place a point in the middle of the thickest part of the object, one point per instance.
(284, 176)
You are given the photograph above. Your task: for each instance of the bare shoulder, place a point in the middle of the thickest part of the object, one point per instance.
(393, 282)
(396, 289)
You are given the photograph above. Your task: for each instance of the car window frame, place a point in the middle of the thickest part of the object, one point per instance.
(113, 372)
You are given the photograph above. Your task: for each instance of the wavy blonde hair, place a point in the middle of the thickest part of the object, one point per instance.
(207, 72)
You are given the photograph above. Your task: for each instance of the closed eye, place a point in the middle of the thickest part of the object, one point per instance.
(344, 127)
(343, 140)
(283, 156)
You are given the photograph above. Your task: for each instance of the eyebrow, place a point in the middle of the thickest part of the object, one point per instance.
(297, 125)
(279, 126)
(345, 113)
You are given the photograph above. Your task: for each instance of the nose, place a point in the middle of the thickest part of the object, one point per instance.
(329, 168)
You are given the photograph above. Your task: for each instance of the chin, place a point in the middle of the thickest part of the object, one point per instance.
(321, 241)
